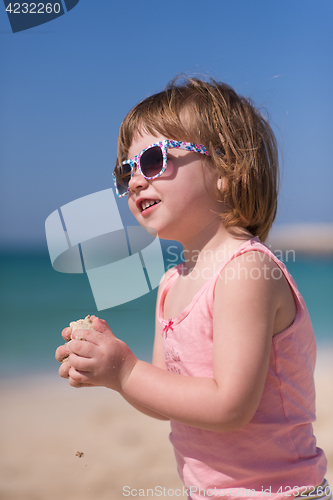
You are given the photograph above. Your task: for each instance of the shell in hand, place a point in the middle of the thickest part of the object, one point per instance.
(80, 324)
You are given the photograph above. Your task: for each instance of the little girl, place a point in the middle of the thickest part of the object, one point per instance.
(234, 350)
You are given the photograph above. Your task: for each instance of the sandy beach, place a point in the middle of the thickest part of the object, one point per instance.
(45, 423)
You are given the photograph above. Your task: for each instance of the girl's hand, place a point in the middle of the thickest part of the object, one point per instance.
(97, 359)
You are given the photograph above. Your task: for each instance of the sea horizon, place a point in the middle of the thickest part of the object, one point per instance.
(37, 303)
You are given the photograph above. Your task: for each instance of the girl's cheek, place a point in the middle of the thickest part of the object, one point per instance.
(170, 170)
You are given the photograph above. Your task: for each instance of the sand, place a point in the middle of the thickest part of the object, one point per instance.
(88, 444)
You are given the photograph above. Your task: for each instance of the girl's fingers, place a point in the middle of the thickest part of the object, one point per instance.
(78, 378)
(61, 353)
(81, 347)
(66, 333)
(64, 370)
(73, 366)
(91, 336)
(100, 325)
(78, 347)
(78, 354)
(79, 363)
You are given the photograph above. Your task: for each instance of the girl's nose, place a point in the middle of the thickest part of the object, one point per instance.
(137, 181)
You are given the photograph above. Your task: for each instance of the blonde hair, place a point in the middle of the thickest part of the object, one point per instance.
(241, 144)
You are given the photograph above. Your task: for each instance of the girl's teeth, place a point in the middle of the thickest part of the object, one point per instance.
(145, 204)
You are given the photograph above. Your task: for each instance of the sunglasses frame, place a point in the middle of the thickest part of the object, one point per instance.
(164, 146)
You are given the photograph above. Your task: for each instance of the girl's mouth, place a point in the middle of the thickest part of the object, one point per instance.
(146, 204)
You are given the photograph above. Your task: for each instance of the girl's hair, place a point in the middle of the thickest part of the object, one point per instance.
(241, 144)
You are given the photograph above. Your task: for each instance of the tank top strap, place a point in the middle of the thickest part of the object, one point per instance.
(164, 290)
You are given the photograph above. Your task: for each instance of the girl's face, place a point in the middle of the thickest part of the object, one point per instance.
(184, 195)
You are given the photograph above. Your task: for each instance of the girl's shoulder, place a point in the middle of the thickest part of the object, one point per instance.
(255, 277)
(252, 263)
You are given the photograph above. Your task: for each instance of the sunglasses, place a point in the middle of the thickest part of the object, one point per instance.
(151, 163)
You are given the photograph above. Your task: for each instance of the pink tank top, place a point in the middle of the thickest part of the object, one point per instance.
(276, 450)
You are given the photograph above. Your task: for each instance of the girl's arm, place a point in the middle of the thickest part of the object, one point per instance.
(244, 320)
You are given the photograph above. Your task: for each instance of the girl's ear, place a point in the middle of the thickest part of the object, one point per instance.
(222, 184)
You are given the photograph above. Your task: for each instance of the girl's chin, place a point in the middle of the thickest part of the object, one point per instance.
(150, 230)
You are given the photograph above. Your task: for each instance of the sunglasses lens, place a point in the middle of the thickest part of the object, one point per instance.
(151, 162)
(123, 176)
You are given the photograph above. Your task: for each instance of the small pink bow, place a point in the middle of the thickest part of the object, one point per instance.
(167, 327)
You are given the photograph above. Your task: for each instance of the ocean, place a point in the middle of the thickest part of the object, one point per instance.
(38, 302)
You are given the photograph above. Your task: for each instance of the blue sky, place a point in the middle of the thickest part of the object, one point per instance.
(66, 85)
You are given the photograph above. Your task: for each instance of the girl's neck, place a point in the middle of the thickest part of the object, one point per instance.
(214, 242)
